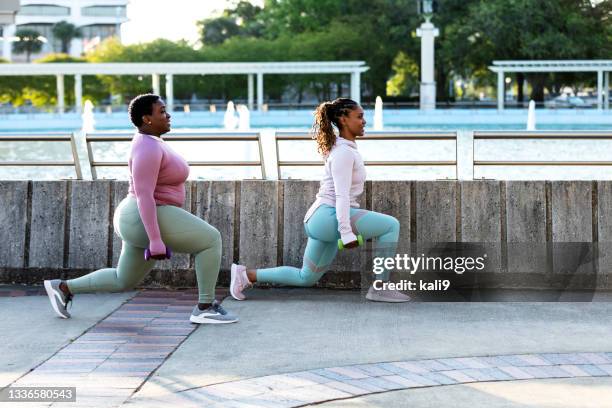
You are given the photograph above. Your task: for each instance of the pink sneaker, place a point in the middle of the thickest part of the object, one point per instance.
(239, 281)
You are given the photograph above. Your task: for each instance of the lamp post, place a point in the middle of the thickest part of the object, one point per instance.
(428, 32)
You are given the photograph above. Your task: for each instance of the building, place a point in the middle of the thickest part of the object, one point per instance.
(97, 20)
(8, 9)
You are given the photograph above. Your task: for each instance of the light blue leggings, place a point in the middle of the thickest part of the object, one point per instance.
(322, 246)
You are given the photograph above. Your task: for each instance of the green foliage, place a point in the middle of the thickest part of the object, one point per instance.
(216, 31)
(243, 21)
(28, 42)
(41, 91)
(527, 29)
(375, 31)
(111, 50)
(405, 79)
(382, 33)
(65, 32)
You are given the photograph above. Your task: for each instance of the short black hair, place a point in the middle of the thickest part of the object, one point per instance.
(141, 105)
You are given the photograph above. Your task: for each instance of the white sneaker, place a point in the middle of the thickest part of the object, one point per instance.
(239, 281)
(214, 314)
(386, 295)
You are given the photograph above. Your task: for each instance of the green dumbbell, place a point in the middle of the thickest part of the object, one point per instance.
(359, 241)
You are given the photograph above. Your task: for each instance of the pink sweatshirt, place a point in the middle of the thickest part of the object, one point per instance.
(157, 177)
(342, 184)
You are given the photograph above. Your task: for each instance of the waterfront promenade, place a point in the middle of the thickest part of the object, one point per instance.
(298, 347)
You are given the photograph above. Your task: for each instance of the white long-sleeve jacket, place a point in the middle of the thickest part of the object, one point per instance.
(342, 185)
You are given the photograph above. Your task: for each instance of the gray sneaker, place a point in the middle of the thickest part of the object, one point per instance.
(215, 314)
(386, 295)
(59, 300)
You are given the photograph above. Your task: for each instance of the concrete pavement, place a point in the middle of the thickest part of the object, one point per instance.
(293, 347)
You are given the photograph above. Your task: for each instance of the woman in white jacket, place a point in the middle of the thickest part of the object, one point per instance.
(335, 214)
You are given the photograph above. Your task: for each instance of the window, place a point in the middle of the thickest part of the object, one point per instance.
(99, 30)
(46, 31)
(104, 11)
(43, 10)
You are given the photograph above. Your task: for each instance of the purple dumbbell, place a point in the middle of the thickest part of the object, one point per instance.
(147, 253)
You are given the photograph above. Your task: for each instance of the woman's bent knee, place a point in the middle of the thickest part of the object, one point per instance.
(309, 279)
(394, 223)
(205, 239)
(216, 240)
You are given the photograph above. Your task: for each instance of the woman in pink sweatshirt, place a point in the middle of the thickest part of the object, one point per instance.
(151, 217)
(335, 214)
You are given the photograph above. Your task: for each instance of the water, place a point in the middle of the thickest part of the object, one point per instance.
(371, 150)
(395, 120)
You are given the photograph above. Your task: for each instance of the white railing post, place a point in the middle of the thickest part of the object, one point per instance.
(465, 155)
(83, 154)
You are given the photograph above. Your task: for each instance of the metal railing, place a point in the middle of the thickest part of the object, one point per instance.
(44, 137)
(541, 135)
(178, 137)
(463, 160)
(295, 136)
(537, 135)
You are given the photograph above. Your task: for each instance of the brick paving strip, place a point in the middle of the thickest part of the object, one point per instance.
(303, 388)
(115, 357)
(21, 290)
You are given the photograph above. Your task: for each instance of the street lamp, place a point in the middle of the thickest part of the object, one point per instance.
(427, 7)
(428, 33)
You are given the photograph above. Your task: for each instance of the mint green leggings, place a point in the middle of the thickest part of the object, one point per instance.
(322, 245)
(180, 230)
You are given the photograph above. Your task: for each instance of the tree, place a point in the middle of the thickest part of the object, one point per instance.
(381, 29)
(111, 50)
(215, 31)
(242, 20)
(28, 42)
(406, 76)
(65, 32)
(527, 29)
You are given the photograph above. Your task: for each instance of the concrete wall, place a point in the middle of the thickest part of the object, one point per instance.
(535, 233)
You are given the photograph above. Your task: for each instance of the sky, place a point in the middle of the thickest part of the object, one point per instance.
(173, 20)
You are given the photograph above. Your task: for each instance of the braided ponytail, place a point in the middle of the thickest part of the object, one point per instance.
(326, 116)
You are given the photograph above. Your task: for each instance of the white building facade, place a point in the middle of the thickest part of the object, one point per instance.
(97, 20)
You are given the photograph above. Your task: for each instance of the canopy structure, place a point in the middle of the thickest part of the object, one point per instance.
(169, 69)
(601, 67)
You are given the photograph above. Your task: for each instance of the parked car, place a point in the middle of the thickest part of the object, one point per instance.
(566, 101)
